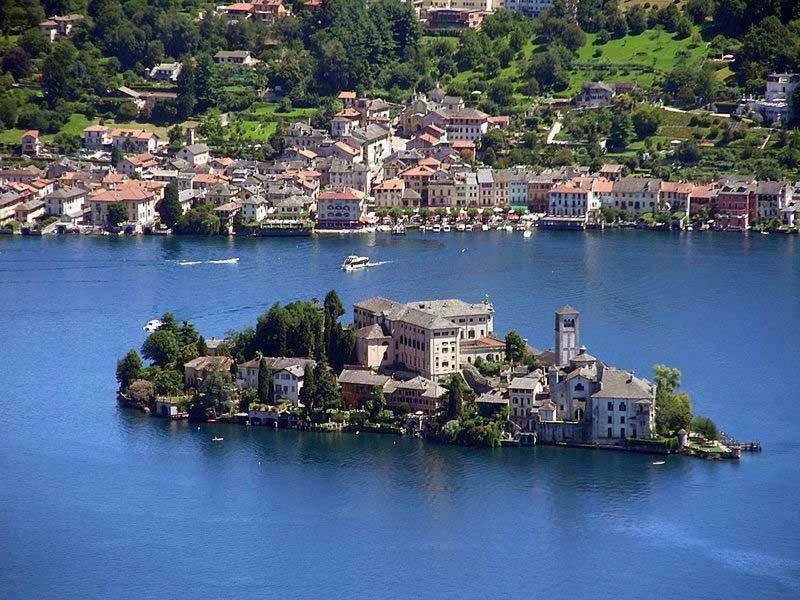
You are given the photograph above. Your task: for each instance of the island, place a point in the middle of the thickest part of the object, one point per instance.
(431, 368)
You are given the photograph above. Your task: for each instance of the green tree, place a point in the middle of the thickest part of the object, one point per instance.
(161, 348)
(59, 73)
(186, 93)
(116, 214)
(265, 389)
(215, 396)
(167, 382)
(454, 408)
(621, 130)
(377, 404)
(206, 86)
(705, 427)
(308, 393)
(129, 368)
(515, 347)
(327, 388)
(646, 120)
(17, 62)
(673, 409)
(169, 209)
(637, 19)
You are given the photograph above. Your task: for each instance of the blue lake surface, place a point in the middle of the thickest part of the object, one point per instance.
(99, 502)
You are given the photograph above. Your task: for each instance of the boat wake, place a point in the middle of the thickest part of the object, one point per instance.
(222, 261)
(379, 263)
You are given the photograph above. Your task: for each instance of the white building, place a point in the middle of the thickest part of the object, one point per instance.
(287, 376)
(530, 8)
(195, 154)
(66, 202)
(166, 72)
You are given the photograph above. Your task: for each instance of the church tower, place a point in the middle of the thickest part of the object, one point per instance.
(567, 339)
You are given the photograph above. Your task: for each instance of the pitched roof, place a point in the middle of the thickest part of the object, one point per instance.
(565, 310)
(615, 383)
(210, 363)
(362, 377)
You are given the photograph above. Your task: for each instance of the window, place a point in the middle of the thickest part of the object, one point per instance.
(611, 406)
(622, 406)
(622, 420)
(609, 432)
(610, 419)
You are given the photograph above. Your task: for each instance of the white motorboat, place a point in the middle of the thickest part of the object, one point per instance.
(658, 462)
(461, 227)
(436, 228)
(217, 439)
(354, 263)
(527, 233)
(399, 230)
(484, 228)
(152, 325)
(509, 228)
(468, 228)
(445, 227)
(383, 228)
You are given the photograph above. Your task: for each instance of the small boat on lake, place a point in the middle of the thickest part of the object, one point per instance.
(527, 233)
(355, 263)
(399, 230)
(217, 439)
(152, 325)
(436, 228)
(658, 462)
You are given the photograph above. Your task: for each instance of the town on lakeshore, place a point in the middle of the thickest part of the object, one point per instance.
(507, 125)
(431, 368)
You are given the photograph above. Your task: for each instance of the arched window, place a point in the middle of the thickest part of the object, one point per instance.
(579, 387)
(622, 406)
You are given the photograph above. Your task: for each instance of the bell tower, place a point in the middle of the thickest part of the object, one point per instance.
(567, 338)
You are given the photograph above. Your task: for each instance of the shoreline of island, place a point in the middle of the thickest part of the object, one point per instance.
(434, 369)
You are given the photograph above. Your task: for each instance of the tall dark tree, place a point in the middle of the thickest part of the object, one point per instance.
(186, 93)
(206, 87)
(454, 409)
(515, 347)
(327, 388)
(161, 348)
(129, 368)
(169, 209)
(59, 79)
(116, 214)
(265, 392)
(308, 393)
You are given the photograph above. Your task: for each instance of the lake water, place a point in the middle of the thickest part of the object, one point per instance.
(99, 502)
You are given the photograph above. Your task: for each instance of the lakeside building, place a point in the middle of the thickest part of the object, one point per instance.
(197, 369)
(340, 208)
(579, 398)
(424, 337)
(288, 375)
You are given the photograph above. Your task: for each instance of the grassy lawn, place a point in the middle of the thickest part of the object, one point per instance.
(639, 58)
(257, 131)
(76, 124)
(270, 109)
